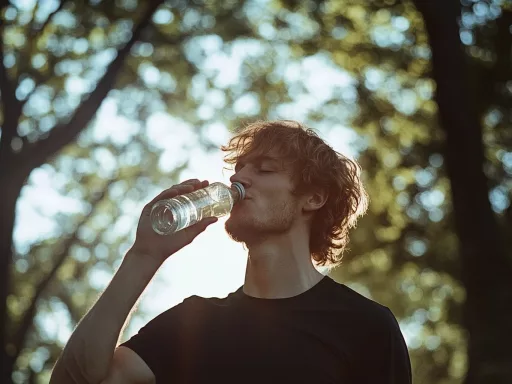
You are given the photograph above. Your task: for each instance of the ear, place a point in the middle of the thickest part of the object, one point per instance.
(315, 200)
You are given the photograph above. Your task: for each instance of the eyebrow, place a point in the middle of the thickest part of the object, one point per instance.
(259, 159)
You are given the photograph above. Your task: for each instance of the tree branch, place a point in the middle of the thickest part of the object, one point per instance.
(36, 154)
(9, 102)
(32, 378)
(11, 109)
(28, 317)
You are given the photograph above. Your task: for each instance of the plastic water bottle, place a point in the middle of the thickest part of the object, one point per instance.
(217, 199)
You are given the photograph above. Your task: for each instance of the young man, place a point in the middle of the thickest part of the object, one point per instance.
(288, 323)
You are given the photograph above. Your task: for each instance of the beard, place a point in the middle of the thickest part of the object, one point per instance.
(252, 228)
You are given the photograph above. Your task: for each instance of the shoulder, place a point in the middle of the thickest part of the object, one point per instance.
(189, 314)
(196, 305)
(376, 338)
(365, 311)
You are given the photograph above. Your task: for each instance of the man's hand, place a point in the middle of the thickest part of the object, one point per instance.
(158, 248)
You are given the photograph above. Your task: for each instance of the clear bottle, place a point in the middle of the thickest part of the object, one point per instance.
(217, 199)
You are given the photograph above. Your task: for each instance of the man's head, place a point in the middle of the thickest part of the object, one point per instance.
(292, 177)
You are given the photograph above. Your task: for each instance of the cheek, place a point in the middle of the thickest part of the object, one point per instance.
(277, 206)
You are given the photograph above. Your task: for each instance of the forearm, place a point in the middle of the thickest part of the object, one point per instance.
(89, 351)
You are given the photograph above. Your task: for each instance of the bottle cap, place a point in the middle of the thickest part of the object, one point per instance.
(240, 188)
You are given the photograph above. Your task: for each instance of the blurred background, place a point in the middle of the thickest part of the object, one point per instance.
(106, 103)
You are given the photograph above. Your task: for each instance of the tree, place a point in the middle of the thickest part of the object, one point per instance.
(486, 266)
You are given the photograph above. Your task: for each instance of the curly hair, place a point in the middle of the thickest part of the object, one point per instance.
(313, 164)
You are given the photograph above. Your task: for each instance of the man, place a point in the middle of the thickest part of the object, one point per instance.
(288, 323)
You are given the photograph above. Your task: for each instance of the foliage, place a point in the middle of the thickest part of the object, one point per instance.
(404, 253)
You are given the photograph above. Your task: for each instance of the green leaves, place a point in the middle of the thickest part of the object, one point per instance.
(195, 68)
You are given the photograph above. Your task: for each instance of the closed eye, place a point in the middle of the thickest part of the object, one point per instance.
(265, 171)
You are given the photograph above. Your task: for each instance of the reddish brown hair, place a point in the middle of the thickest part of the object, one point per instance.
(313, 164)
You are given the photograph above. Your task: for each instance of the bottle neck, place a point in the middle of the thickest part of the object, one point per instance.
(236, 195)
(237, 191)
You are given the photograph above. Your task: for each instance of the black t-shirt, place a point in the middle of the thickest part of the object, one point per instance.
(328, 334)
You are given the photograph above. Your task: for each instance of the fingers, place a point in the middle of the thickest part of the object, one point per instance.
(174, 191)
(194, 230)
(190, 181)
(184, 187)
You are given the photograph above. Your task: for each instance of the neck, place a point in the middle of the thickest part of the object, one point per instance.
(280, 268)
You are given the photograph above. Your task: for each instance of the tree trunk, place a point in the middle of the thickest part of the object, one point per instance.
(486, 266)
(10, 192)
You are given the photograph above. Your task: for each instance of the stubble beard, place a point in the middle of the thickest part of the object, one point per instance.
(247, 229)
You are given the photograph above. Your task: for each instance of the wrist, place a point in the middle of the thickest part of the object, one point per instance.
(142, 261)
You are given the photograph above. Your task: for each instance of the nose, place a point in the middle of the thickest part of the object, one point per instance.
(241, 177)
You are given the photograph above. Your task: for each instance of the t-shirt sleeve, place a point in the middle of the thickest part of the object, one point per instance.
(158, 342)
(386, 358)
(149, 342)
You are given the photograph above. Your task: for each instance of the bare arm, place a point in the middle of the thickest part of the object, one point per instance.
(88, 355)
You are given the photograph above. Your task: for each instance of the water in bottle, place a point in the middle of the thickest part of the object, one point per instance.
(217, 199)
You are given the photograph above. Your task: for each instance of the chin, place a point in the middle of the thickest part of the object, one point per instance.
(232, 225)
(239, 230)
